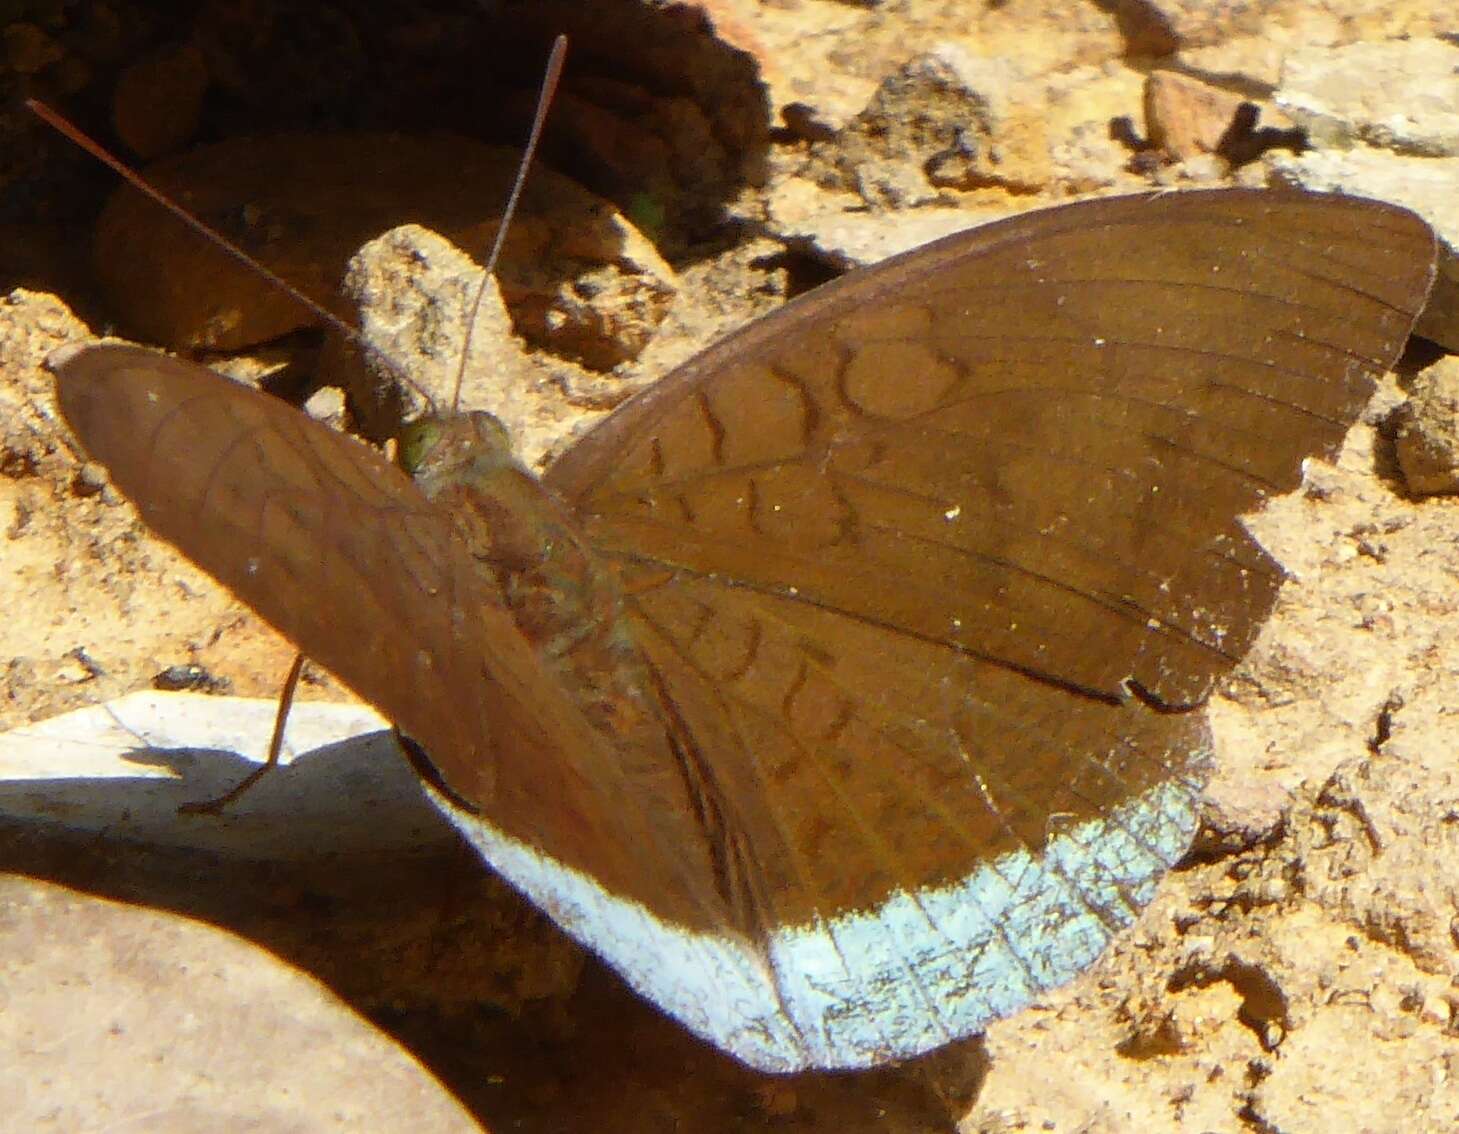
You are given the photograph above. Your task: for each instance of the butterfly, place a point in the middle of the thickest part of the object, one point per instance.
(844, 689)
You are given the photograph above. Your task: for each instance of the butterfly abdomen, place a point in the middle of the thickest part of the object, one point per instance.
(564, 598)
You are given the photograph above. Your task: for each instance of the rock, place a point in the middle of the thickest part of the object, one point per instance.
(1426, 431)
(947, 120)
(1185, 117)
(117, 1015)
(158, 101)
(302, 204)
(342, 824)
(1344, 96)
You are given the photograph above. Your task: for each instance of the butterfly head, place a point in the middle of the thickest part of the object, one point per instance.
(454, 447)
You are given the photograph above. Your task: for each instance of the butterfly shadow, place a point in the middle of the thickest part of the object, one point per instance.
(337, 864)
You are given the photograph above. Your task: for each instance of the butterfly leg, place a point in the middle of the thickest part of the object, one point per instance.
(275, 746)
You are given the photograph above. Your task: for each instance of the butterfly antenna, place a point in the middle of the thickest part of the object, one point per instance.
(58, 123)
(550, 80)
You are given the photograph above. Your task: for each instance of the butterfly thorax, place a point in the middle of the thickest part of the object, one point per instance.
(565, 600)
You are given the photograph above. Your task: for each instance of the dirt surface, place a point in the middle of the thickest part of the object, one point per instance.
(1297, 972)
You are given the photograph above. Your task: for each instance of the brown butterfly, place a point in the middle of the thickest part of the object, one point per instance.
(844, 689)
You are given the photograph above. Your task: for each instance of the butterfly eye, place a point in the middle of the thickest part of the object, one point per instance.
(416, 442)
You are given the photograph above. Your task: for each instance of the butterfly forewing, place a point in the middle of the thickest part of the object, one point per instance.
(1044, 429)
(341, 552)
